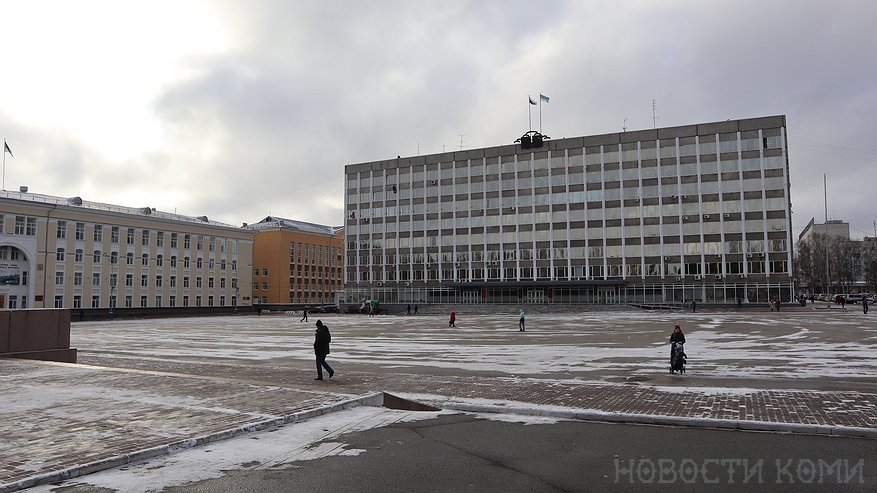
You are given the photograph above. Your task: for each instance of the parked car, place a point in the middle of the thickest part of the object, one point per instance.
(854, 298)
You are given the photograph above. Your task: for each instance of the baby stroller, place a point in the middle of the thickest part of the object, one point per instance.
(677, 358)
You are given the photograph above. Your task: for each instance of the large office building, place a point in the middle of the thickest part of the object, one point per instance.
(669, 215)
(70, 253)
(296, 262)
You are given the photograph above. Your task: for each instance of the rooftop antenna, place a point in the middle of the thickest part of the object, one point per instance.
(624, 128)
(461, 141)
(418, 148)
(654, 113)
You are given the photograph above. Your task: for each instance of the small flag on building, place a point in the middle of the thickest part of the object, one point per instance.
(7, 149)
(542, 97)
(531, 101)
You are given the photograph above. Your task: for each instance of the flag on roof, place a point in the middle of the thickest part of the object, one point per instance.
(543, 97)
(531, 100)
(7, 149)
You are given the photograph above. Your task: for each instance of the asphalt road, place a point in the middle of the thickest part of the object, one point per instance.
(465, 453)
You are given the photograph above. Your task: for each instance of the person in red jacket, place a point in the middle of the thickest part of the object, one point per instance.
(451, 321)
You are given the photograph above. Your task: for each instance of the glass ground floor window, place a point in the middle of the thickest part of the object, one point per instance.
(607, 293)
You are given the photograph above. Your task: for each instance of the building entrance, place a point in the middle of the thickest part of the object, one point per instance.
(471, 297)
(535, 296)
(607, 295)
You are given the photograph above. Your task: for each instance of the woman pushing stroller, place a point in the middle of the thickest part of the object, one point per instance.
(677, 355)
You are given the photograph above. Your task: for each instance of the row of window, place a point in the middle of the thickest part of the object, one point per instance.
(524, 223)
(97, 255)
(707, 147)
(667, 232)
(78, 277)
(304, 253)
(720, 270)
(27, 226)
(740, 247)
(708, 173)
(129, 301)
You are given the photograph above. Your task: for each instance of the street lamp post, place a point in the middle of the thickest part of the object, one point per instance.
(113, 280)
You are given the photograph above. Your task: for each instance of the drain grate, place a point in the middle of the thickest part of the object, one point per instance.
(395, 402)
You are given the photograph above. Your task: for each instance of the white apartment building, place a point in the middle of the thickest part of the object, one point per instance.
(669, 215)
(70, 253)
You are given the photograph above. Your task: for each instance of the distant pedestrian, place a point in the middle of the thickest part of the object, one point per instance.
(452, 320)
(408, 311)
(693, 306)
(415, 309)
(777, 303)
(304, 315)
(865, 305)
(739, 303)
(521, 321)
(322, 338)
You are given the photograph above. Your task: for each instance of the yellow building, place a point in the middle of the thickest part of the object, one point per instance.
(296, 262)
(70, 253)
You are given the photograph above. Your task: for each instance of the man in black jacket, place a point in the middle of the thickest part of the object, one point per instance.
(321, 349)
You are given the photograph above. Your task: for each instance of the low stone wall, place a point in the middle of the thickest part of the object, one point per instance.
(42, 334)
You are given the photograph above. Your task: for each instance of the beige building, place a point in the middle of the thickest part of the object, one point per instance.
(70, 253)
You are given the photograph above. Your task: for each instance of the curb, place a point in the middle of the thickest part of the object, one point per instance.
(374, 399)
(651, 419)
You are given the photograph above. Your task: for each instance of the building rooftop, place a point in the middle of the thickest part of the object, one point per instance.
(272, 222)
(78, 202)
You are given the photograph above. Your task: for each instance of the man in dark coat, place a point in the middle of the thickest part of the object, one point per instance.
(321, 349)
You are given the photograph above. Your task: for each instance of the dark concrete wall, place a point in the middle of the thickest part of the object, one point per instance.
(36, 334)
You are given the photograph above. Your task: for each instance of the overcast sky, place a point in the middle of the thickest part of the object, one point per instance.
(241, 109)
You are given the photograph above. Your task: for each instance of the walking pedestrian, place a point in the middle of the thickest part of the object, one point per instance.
(693, 306)
(408, 311)
(304, 315)
(415, 309)
(322, 338)
(521, 321)
(865, 305)
(452, 320)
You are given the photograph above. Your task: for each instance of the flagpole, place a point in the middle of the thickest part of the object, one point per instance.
(540, 113)
(4, 164)
(529, 115)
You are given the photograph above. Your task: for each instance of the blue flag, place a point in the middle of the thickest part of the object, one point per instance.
(543, 97)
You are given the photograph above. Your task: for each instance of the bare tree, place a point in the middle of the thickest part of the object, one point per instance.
(842, 260)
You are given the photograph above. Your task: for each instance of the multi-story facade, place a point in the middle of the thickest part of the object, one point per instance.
(831, 228)
(698, 212)
(296, 262)
(69, 253)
